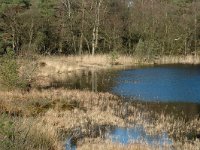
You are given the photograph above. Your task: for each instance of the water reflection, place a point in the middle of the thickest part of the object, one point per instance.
(166, 88)
(70, 145)
(89, 80)
(132, 135)
(138, 135)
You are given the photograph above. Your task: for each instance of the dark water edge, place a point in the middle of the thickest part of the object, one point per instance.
(186, 111)
(172, 89)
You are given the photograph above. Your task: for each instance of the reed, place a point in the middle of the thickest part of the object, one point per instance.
(44, 119)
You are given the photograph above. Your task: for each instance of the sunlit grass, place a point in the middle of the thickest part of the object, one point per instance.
(54, 115)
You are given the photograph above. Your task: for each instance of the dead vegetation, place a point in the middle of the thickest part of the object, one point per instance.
(46, 118)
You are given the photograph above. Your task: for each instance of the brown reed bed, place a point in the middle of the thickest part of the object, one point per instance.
(44, 119)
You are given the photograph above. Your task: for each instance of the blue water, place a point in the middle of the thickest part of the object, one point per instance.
(163, 83)
(168, 83)
(138, 135)
(69, 145)
(131, 135)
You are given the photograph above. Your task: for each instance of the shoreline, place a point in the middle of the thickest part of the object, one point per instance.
(62, 64)
(48, 68)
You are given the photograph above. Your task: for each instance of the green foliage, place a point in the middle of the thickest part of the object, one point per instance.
(148, 48)
(1, 47)
(113, 57)
(47, 7)
(9, 3)
(41, 41)
(141, 48)
(179, 2)
(47, 26)
(6, 132)
(9, 75)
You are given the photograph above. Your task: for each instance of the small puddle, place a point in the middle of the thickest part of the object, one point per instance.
(137, 135)
(70, 145)
(127, 136)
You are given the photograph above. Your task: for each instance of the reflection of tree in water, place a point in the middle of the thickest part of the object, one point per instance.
(99, 81)
(105, 80)
(96, 81)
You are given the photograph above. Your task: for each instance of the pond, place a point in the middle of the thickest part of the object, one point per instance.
(169, 88)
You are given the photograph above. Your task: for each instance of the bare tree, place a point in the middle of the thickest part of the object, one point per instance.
(95, 34)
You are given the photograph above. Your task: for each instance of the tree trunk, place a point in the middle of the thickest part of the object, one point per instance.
(61, 34)
(95, 34)
(93, 41)
(13, 39)
(88, 46)
(195, 40)
(68, 6)
(31, 34)
(82, 27)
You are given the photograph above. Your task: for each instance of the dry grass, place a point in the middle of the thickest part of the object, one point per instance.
(188, 59)
(65, 67)
(50, 116)
(44, 70)
(56, 113)
(99, 144)
(51, 68)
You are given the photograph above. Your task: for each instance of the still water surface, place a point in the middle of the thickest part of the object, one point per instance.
(175, 83)
(137, 135)
(170, 88)
(163, 83)
(131, 135)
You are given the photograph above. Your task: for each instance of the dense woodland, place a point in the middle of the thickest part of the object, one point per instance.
(138, 27)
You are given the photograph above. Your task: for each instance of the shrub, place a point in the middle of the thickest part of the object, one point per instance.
(6, 132)
(113, 57)
(9, 75)
(147, 49)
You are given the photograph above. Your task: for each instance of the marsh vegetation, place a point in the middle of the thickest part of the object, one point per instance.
(58, 61)
(46, 118)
